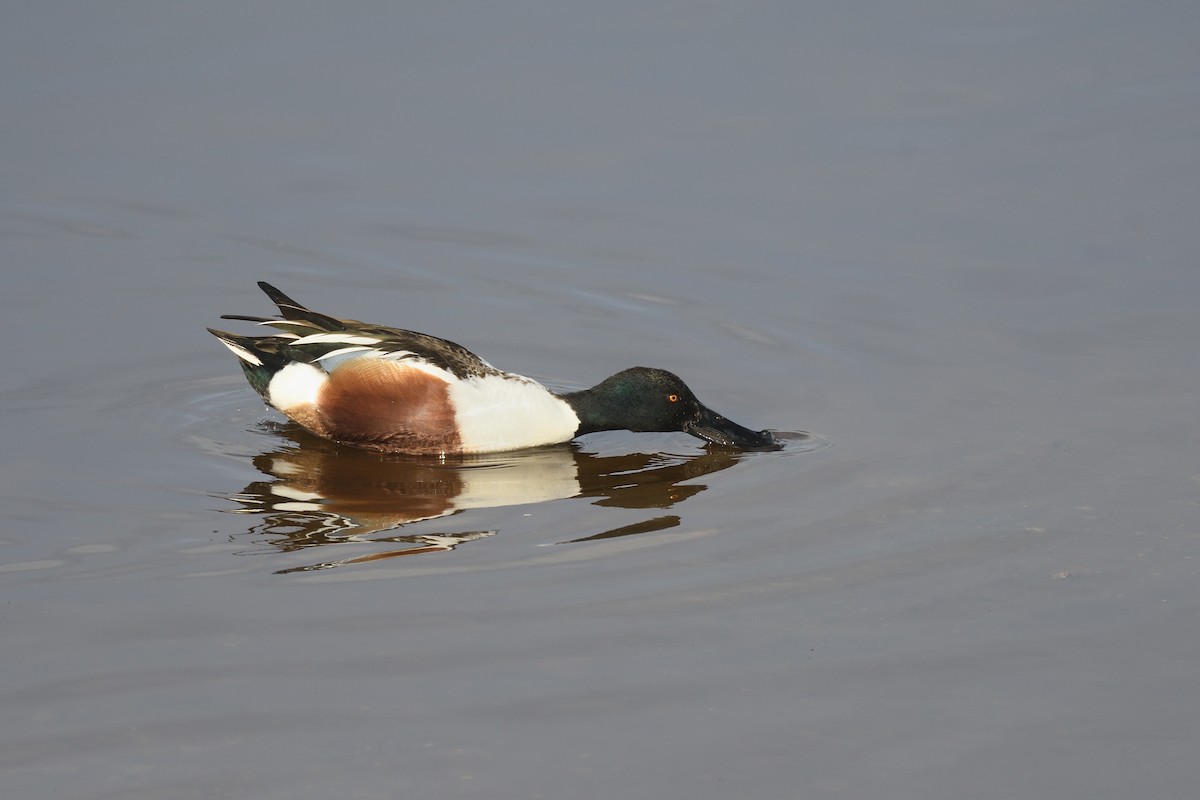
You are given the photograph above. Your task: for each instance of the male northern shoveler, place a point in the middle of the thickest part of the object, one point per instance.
(399, 391)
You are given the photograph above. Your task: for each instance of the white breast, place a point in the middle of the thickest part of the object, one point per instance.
(509, 412)
(295, 386)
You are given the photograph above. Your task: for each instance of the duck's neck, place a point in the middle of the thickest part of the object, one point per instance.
(596, 411)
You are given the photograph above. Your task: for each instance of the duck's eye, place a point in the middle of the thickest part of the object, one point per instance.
(674, 398)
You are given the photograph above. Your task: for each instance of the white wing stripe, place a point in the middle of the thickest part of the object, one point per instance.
(335, 338)
(242, 353)
(353, 349)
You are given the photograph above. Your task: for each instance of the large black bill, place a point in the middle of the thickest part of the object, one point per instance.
(712, 427)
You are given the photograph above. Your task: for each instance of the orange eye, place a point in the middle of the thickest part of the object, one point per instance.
(674, 398)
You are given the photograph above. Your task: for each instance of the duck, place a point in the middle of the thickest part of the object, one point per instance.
(398, 391)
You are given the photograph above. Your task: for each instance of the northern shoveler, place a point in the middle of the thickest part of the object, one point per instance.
(398, 391)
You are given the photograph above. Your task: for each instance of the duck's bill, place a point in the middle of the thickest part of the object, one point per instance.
(712, 427)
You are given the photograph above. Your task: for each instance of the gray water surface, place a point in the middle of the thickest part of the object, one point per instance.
(952, 250)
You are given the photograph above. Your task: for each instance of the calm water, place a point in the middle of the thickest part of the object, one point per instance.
(956, 248)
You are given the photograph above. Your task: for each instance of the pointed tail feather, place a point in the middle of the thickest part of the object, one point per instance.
(245, 318)
(290, 309)
(287, 306)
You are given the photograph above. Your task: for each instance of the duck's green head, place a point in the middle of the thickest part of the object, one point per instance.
(646, 399)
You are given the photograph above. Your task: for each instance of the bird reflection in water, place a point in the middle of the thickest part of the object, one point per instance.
(317, 493)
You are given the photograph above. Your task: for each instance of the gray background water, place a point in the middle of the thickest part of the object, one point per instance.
(957, 243)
